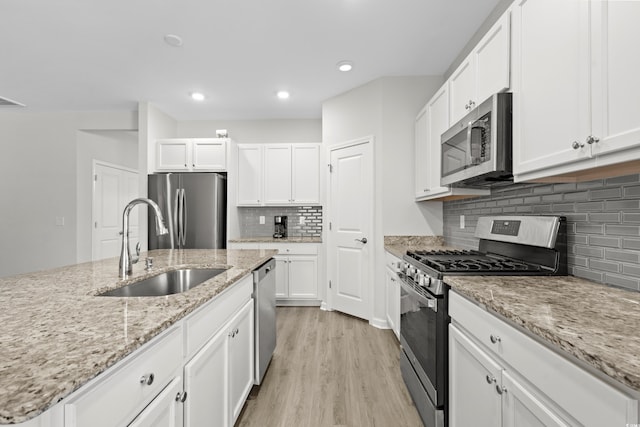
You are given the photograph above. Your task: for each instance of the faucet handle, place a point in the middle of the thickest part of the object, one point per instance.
(148, 262)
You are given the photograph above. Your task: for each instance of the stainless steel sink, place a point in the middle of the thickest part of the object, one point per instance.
(171, 282)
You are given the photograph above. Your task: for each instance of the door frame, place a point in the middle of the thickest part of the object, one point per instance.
(93, 195)
(330, 262)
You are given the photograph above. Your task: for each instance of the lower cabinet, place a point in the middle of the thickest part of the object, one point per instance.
(217, 380)
(392, 286)
(297, 277)
(499, 376)
(197, 373)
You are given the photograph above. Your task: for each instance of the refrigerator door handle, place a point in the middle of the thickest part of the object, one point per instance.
(178, 217)
(184, 217)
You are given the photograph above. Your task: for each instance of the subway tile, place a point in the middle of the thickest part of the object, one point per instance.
(589, 184)
(622, 230)
(581, 196)
(543, 189)
(552, 198)
(588, 274)
(605, 194)
(626, 256)
(631, 270)
(577, 238)
(576, 216)
(563, 207)
(609, 266)
(630, 217)
(631, 244)
(604, 217)
(588, 251)
(532, 199)
(627, 179)
(524, 209)
(622, 281)
(632, 191)
(564, 187)
(589, 206)
(621, 205)
(611, 242)
(587, 228)
(542, 208)
(578, 261)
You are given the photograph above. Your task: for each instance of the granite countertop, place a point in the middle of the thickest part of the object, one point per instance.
(269, 239)
(597, 324)
(399, 245)
(56, 334)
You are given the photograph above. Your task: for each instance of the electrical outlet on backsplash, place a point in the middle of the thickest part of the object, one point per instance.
(310, 226)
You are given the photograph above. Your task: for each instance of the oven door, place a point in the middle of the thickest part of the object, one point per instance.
(423, 336)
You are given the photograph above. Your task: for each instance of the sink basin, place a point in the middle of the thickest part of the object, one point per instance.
(171, 282)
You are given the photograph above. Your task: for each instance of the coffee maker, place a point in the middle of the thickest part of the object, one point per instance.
(280, 227)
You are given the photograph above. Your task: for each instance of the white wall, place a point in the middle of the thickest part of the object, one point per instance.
(386, 109)
(38, 184)
(117, 147)
(250, 131)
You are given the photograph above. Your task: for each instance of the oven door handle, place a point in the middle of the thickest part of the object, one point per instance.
(431, 303)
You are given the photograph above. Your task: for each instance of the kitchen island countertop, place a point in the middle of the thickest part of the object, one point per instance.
(56, 333)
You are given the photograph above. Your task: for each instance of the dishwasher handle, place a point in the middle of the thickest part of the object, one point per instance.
(265, 269)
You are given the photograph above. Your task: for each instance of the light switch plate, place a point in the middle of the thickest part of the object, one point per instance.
(262, 219)
(461, 221)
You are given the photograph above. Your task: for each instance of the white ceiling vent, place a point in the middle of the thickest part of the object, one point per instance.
(6, 102)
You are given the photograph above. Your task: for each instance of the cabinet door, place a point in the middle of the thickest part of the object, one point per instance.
(277, 174)
(462, 89)
(521, 408)
(303, 276)
(241, 365)
(173, 154)
(423, 162)
(164, 410)
(393, 302)
(438, 123)
(206, 383)
(492, 60)
(305, 173)
(282, 277)
(551, 83)
(209, 154)
(615, 94)
(473, 378)
(249, 174)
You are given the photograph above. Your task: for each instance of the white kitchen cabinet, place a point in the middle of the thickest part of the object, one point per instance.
(392, 284)
(165, 410)
(432, 121)
(241, 359)
(577, 119)
(303, 277)
(278, 174)
(534, 384)
(191, 155)
(484, 72)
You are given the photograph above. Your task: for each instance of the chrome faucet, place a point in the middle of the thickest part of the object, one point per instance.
(126, 260)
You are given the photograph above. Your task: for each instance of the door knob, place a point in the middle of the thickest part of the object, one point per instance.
(363, 240)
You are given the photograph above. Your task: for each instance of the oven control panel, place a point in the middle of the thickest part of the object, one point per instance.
(506, 227)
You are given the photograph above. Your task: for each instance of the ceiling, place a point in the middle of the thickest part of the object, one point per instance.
(76, 55)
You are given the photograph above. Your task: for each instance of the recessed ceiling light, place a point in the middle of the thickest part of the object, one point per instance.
(173, 40)
(283, 94)
(345, 66)
(197, 96)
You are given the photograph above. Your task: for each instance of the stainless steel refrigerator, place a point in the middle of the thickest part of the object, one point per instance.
(194, 206)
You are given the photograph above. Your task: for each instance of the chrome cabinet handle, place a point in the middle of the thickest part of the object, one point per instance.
(490, 379)
(363, 240)
(575, 145)
(592, 139)
(495, 339)
(181, 397)
(501, 389)
(147, 379)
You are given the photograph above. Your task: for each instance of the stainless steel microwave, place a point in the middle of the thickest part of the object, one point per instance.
(476, 151)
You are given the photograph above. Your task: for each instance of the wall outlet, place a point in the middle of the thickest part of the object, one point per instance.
(303, 220)
(262, 219)
(59, 221)
(461, 221)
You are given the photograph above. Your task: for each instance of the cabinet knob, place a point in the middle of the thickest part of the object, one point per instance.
(185, 165)
(466, 106)
(495, 339)
(181, 397)
(193, 165)
(491, 379)
(575, 145)
(592, 139)
(147, 379)
(501, 389)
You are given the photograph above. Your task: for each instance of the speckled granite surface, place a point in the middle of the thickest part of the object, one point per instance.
(399, 245)
(292, 239)
(597, 324)
(56, 334)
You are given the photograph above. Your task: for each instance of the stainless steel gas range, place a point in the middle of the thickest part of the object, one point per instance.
(508, 245)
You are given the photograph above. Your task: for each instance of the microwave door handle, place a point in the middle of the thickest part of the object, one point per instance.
(469, 144)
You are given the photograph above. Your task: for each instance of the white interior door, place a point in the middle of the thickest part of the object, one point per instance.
(351, 215)
(114, 187)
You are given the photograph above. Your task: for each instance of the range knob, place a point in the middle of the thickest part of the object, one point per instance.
(425, 280)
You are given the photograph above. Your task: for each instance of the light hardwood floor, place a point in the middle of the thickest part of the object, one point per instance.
(330, 369)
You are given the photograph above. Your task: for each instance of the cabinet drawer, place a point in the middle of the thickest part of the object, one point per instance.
(116, 399)
(292, 248)
(588, 399)
(207, 320)
(392, 261)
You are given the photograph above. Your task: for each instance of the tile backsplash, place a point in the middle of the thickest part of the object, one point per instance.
(250, 221)
(603, 223)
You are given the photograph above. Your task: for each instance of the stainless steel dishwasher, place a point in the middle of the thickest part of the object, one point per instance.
(264, 299)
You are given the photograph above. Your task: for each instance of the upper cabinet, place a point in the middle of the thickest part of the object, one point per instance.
(484, 72)
(278, 174)
(194, 154)
(578, 118)
(432, 121)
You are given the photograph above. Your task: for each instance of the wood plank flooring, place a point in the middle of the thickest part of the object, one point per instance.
(330, 369)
